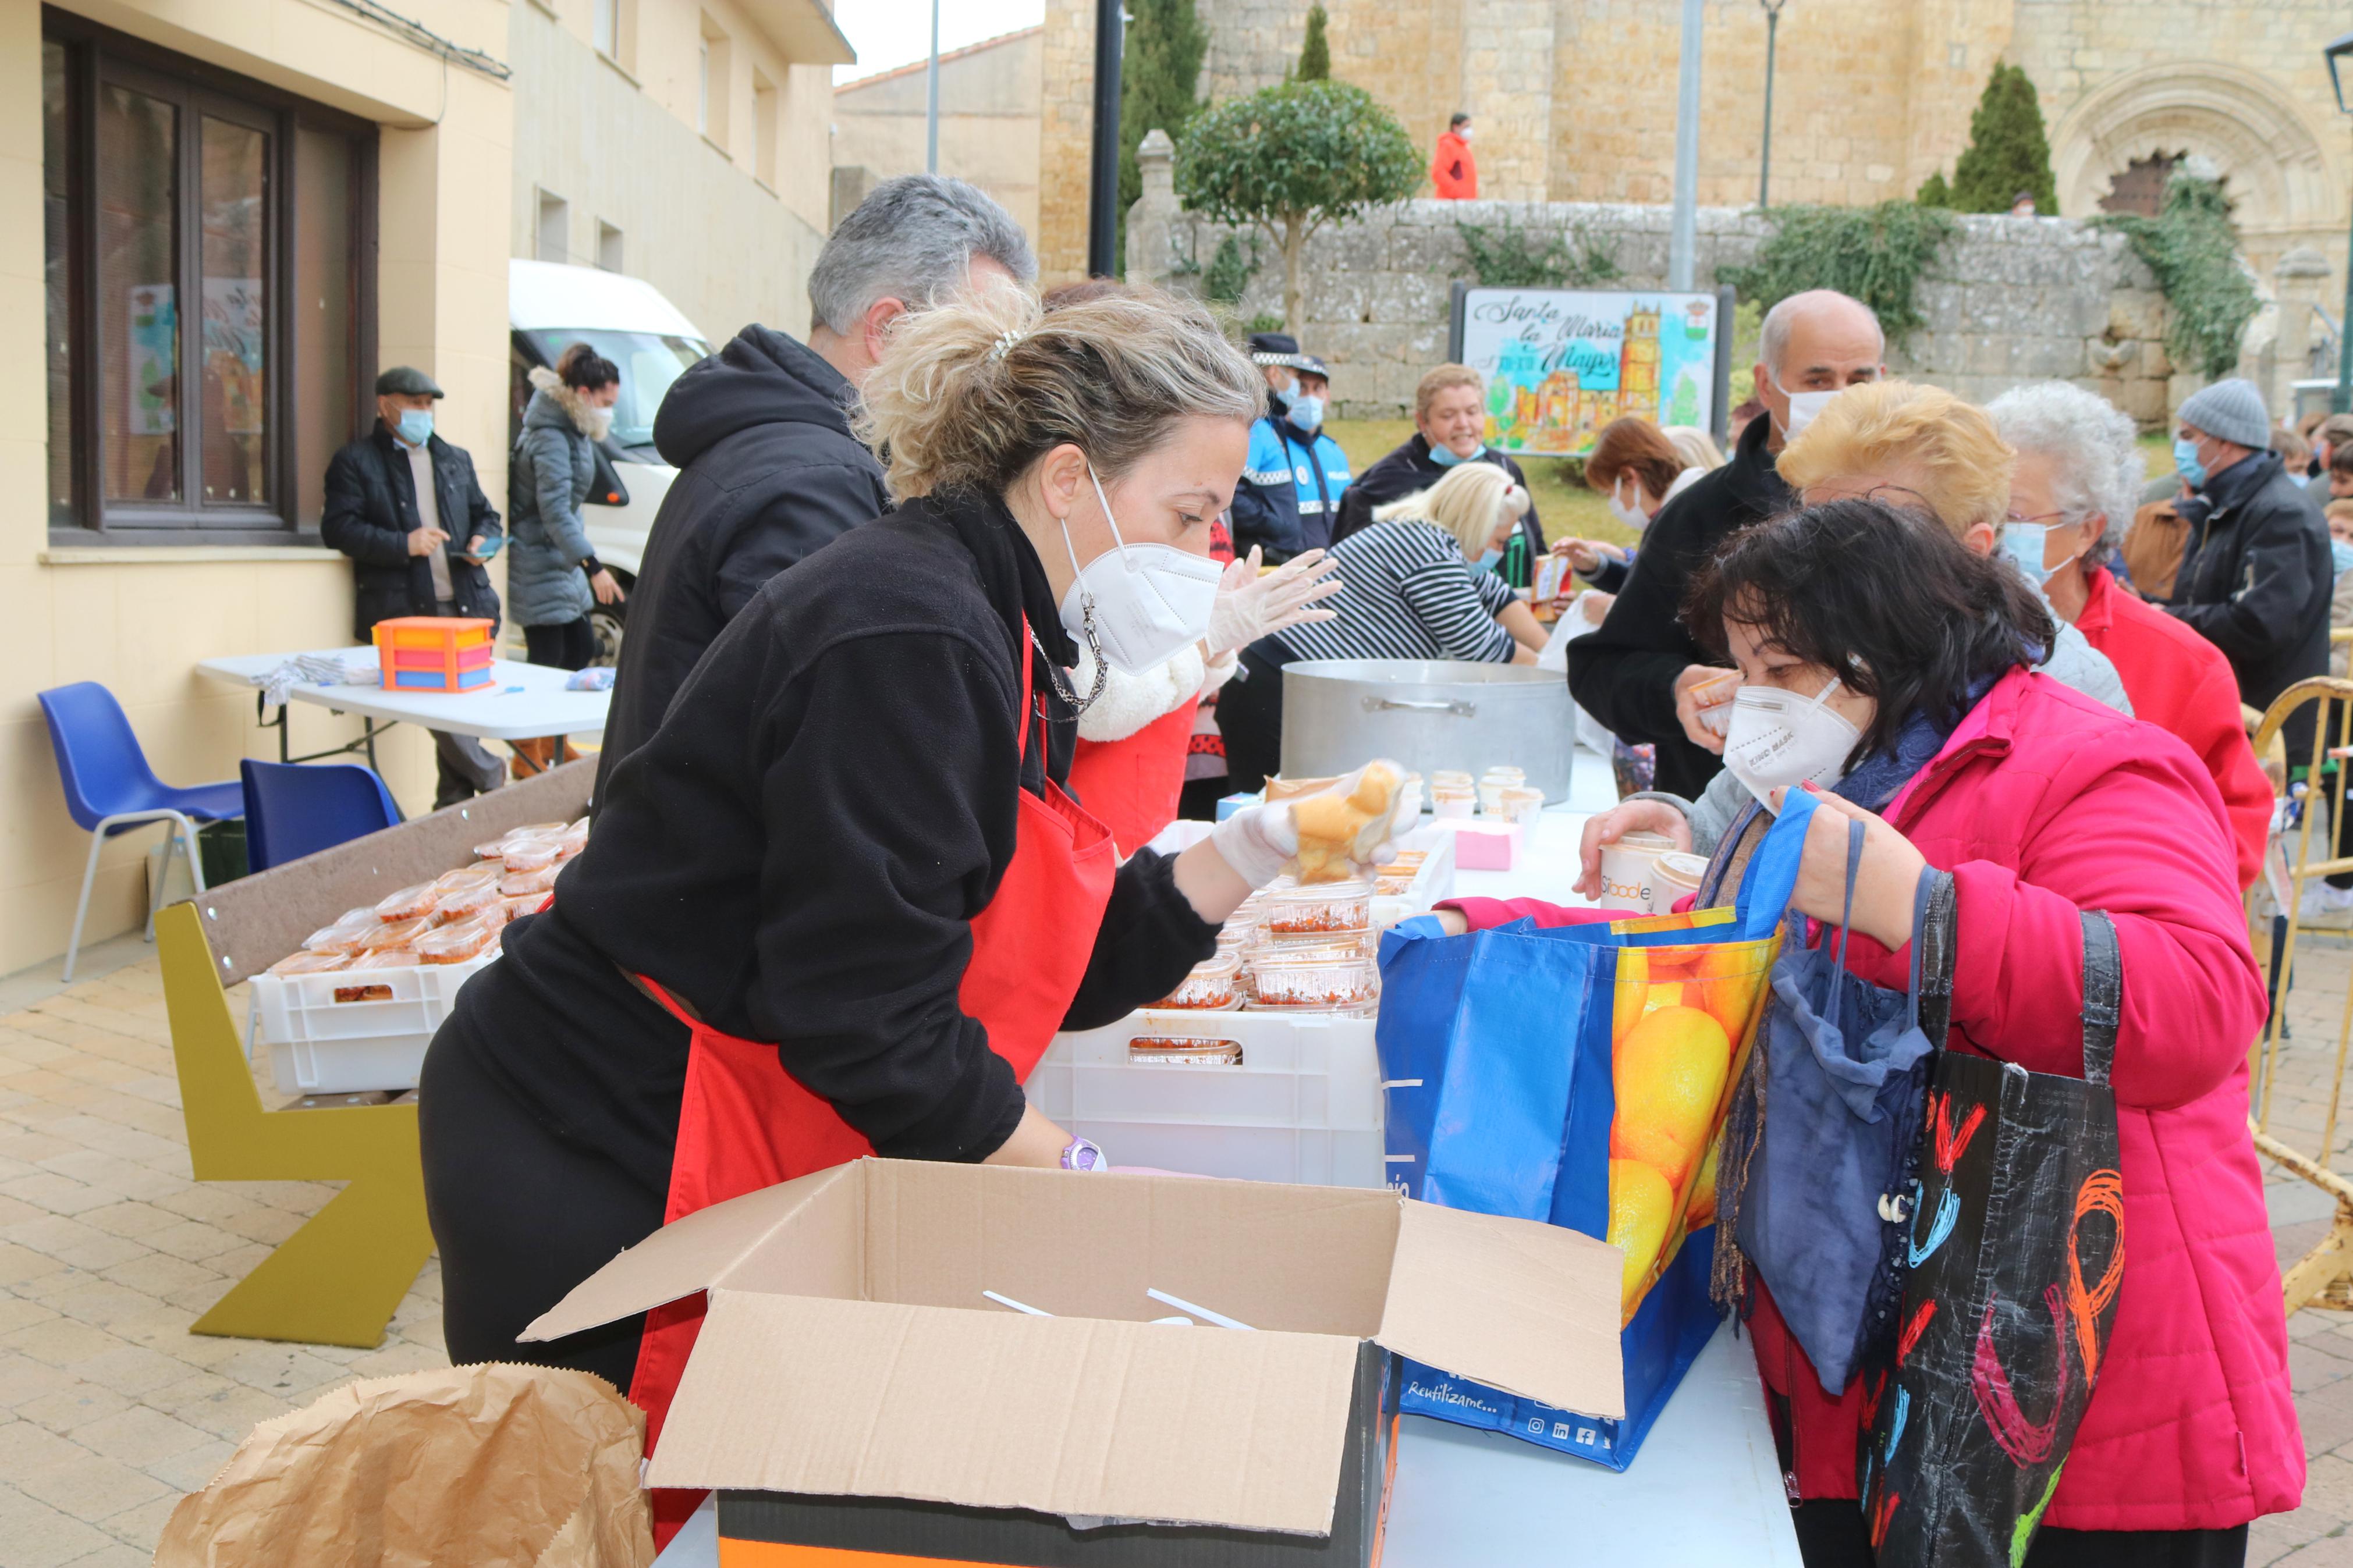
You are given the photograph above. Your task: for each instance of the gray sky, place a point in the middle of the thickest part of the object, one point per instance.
(890, 33)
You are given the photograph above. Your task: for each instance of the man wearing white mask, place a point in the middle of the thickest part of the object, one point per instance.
(1296, 474)
(1635, 674)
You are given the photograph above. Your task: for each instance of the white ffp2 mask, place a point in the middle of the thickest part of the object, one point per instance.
(1630, 514)
(1778, 739)
(1137, 603)
(1805, 407)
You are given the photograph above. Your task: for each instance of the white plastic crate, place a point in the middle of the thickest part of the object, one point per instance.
(1305, 1105)
(320, 1045)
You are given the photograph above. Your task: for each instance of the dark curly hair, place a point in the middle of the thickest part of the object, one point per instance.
(1904, 613)
(582, 368)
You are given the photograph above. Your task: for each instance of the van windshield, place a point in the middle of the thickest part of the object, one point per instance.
(649, 363)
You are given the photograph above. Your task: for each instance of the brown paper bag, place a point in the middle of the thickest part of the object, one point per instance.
(516, 1465)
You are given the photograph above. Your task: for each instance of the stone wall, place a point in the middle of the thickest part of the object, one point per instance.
(2013, 299)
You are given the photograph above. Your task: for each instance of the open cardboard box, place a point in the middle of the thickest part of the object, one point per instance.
(851, 1369)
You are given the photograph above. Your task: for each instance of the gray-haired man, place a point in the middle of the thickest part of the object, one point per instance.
(760, 432)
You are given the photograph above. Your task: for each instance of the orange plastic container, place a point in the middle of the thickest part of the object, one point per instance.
(434, 653)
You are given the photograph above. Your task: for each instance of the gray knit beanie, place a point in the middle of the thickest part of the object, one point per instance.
(2230, 411)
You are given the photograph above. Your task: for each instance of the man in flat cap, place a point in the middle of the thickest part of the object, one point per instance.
(1296, 474)
(404, 505)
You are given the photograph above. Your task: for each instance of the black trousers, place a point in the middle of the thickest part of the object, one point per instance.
(569, 645)
(520, 1217)
(1249, 716)
(1830, 1534)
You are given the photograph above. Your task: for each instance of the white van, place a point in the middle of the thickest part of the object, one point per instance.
(551, 305)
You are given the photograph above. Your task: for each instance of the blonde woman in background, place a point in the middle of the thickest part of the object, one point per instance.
(1696, 447)
(1418, 587)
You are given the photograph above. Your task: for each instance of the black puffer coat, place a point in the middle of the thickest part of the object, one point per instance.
(2255, 577)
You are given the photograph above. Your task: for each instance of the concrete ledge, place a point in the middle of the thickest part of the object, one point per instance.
(179, 554)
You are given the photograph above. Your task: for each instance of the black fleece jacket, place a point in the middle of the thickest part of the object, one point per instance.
(1624, 672)
(2255, 580)
(799, 850)
(768, 471)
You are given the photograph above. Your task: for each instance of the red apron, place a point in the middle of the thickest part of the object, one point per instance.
(746, 1123)
(1131, 786)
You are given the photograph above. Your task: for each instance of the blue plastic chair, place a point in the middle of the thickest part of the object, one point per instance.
(110, 789)
(293, 809)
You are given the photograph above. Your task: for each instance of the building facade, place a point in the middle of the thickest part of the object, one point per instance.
(1574, 99)
(989, 97)
(225, 218)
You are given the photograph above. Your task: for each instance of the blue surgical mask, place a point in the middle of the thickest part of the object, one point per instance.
(1490, 560)
(2023, 542)
(2341, 554)
(415, 426)
(2185, 457)
(1307, 412)
(1445, 459)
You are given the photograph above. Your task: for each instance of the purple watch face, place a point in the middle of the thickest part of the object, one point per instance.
(1082, 1156)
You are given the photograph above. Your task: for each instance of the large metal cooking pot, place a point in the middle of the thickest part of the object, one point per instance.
(1428, 714)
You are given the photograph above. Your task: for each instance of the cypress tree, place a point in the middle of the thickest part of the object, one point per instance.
(2009, 150)
(1315, 55)
(1165, 45)
(1935, 191)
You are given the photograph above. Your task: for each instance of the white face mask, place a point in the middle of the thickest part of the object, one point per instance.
(1138, 605)
(1805, 407)
(1779, 738)
(1630, 514)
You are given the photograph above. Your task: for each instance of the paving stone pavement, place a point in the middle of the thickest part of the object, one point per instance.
(110, 1409)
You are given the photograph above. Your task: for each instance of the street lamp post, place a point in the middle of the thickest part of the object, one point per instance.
(1765, 165)
(2341, 401)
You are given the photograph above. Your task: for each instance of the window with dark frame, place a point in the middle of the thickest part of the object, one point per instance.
(209, 266)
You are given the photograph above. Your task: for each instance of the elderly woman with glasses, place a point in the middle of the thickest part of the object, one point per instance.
(2072, 488)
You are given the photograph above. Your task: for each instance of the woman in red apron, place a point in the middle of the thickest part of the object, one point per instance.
(840, 903)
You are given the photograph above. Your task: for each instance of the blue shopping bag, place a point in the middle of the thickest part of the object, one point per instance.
(1579, 1075)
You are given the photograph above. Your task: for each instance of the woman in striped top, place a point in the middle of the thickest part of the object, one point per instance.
(1413, 592)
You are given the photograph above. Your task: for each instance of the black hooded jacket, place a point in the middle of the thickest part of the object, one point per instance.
(768, 472)
(2256, 579)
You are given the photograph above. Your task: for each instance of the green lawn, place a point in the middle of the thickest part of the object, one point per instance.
(1569, 510)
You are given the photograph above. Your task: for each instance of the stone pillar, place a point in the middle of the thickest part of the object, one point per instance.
(2301, 281)
(1150, 222)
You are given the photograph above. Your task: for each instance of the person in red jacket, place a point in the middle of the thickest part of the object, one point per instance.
(1453, 171)
(2072, 489)
(1929, 726)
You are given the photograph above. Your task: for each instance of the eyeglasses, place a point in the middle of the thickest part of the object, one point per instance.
(2045, 517)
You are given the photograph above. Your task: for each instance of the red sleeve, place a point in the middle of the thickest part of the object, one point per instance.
(2134, 833)
(1483, 913)
(2211, 726)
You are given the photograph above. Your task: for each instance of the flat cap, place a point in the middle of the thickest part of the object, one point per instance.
(405, 381)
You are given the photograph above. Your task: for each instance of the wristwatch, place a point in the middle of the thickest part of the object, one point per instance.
(1084, 1155)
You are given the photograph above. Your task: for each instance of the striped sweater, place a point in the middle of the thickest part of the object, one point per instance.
(1410, 595)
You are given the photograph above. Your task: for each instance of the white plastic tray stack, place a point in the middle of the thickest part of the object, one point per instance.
(1303, 1105)
(320, 1045)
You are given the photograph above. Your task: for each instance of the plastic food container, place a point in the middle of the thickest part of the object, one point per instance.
(1323, 908)
(530, 853)
(385, 958)
(521, 904)
(306, 962)
(345, 935)
(1713, 698)
(455, 943)
(1518, 804)
(408, 903)
(467, 902)
(1452, 800)
(391, 934)
(1280, 980)
(1184, 1050)
(1673, 875)
(1449, 778)
(1211, 984)
(516, 883)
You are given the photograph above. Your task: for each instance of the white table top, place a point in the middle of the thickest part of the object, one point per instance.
(495, 713)
(1705, 1490)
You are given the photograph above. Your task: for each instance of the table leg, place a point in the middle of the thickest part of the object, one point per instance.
(261, 717)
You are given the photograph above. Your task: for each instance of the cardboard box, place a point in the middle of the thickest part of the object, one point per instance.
(850, 1362)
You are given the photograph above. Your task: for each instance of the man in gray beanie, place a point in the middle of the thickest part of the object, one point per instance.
(2255, 577)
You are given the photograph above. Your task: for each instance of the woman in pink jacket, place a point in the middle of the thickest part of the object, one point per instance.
(1885, 667)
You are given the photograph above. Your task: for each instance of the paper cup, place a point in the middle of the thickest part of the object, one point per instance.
(1627, 870)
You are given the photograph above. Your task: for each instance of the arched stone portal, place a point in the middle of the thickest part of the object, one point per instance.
(2282, 186)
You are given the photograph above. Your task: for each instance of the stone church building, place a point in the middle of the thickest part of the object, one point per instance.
(1574, 99)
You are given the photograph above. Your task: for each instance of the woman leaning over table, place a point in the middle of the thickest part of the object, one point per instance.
(1418, 587)
(840, 902)
(1900, 689)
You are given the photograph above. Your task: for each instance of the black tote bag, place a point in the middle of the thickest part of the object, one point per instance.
(2015, 1253)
